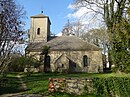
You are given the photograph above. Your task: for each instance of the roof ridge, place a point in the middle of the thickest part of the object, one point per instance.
(39, 15)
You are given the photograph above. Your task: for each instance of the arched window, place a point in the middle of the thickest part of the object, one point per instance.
(38, 31)
(85, 60)
(62, 65)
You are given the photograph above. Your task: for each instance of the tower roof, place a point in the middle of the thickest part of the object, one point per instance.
(41, 16)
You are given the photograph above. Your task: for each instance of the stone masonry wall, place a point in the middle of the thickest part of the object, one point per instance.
(71, 85)
(94, 60)
(62, 57)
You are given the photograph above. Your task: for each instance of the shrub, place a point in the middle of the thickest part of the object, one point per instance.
(112, 87)
(19, 63)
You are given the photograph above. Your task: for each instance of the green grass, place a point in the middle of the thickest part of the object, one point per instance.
(37, 83)
(11, 85)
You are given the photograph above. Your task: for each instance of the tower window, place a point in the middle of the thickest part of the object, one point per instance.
(85, 60)
(38, 31)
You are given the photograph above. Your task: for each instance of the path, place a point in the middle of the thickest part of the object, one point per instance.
(22, 95)
(23, 87)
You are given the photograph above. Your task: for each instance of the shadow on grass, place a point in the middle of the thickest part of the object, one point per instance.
(46, 76)
(64, 94)
(11, 86)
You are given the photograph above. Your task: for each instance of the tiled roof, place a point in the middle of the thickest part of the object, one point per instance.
(39, 15)
(64, 43)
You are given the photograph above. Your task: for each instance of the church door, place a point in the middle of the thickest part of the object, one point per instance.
(47, 64)
(72, 66)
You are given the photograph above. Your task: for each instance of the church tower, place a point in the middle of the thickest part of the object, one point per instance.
(40, 28)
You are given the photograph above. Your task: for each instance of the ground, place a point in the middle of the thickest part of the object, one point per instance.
(37, 84)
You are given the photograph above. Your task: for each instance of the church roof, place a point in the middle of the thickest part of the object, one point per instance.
(64, 43)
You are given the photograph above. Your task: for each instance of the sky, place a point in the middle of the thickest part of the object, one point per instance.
(59, 12)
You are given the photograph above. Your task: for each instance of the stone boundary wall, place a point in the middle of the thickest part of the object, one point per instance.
(71, 85)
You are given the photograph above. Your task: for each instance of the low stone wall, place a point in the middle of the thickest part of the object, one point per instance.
(71, 85)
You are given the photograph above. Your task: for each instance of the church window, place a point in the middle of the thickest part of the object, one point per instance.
(62, 65)
(85, 60)
(38, 31)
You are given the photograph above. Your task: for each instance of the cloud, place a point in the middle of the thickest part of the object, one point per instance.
(86, 16)
(59, 34)
(71, 6)
(79, 13)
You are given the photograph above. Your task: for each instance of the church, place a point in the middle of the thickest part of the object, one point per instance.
(66, 53)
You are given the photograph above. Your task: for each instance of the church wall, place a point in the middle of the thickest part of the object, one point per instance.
(35, 55)
(94, 58)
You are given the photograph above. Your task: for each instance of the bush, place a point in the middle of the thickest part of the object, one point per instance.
(112, 87)
(19, 63)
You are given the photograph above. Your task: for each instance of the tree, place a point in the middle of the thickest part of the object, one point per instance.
(100, 38)
(11, 29)
(44, 57)
(67, 30)
(73, 28)
(20, 62)
(114, 13)
(78, 28)
(128, 11)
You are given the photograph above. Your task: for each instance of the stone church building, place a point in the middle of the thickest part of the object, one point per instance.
(66, 53)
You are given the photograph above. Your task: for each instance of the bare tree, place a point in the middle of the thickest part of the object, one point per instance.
(110, 10)
(78, 28)
(114, 14)
(11, 29)
(67, 30)
(75, 28)
(100, 38)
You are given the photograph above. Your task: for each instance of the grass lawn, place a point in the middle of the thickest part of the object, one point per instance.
(37, 83)
(12, 84)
